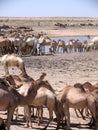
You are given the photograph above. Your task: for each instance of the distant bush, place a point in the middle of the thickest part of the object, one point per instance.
(7, 20)
(1, 20)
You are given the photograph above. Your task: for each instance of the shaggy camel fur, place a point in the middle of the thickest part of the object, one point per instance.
(10, 98)
(81, 100)
(12, 60)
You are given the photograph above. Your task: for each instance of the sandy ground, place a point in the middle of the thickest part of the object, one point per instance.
(68, 31)
(61, 70)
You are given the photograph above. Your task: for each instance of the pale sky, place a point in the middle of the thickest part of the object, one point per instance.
(49, 8)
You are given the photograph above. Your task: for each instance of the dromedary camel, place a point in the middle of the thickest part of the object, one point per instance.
(10, 98)
(12, 60)
(45, 97)
(76, 97)
(32, 43)
(92, 100)
(94, 43)
(61, 44)
(44, 41)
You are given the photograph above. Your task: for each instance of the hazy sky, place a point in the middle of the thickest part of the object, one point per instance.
(49, 8)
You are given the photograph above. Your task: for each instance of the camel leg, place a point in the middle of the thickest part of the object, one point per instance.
(67, 115)
(27, 112)
(6, 70)
(40, 114)
(58, 116)
(50, 118)
(22, 68)
(9, 116)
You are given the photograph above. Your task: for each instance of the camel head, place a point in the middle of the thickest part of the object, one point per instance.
(41, 77)
(13, 81)
(88, 86)
(10, 79)
(80, 86)
(37, 82)
(4, 84)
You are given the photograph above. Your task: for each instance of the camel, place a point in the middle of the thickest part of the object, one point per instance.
(93, 106)
(12, 60)
(18, 43)
(86, 46)
(10, 98)
(61, 44)
(31, 44)
(44, 41)
(78, 46)
(81, 100)
(94, 43)
(44, 97)
(53, 45)
(70, 46)
(5, 46)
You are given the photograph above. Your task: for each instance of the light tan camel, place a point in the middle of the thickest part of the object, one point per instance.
(10, 98)
(44, 97)
(94, 43)
(31, 45)
(44, 41)
(70, 46)
(75, 97)
(9, 60)
(92, 100)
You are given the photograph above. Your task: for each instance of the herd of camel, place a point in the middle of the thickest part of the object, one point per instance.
(23, 90)
(23, 41)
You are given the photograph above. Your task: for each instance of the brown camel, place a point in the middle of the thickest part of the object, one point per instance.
(61, 44)
(44, 97)
(93, 106)
(76, 97)
(10, 98)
